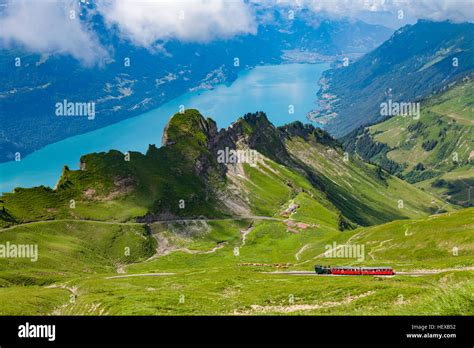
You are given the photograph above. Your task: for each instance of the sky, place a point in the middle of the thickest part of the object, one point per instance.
(60, 27)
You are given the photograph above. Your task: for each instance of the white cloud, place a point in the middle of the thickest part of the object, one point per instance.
(455, 10)
(46, 27)
(147, 21)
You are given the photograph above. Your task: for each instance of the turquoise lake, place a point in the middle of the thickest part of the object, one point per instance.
(271, 88)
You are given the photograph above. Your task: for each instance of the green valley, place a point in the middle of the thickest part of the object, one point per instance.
(434, 152)
(203, 274)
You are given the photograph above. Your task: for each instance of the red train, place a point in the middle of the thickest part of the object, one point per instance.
(348, 270)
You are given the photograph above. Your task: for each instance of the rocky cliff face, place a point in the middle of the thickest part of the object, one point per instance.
(252, 131)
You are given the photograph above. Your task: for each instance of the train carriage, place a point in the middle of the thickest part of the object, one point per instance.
(350, 270)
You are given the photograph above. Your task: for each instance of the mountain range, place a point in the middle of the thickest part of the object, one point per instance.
(417, 61)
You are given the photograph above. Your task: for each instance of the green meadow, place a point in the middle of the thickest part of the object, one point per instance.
(208, 267)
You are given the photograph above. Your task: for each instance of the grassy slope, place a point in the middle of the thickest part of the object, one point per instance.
(71, 247)
(220, 283)
(216, 284)
(424, 242)
(356, 188)
(66, 250)
(448, 119)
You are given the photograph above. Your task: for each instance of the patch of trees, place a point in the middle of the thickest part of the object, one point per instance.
(429, 145)
(368, 148)
(361, 142)
(442, 132)
(420, 167)
(419, 175)
(457, 192)
(418, 128)
(306, 130)
(342, 223)
(439, 183)
(390, 166)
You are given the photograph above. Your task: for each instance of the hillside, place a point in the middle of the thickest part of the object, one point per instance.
(228, 267)
(185, 179)
(417, 61)
(214, 236)
(434, 152)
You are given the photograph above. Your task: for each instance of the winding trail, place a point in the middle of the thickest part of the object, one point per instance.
(140, 275)
(406, 233)
(244, 235)
(72, 220)
(249, 217)
(297, 255)
(292, 308)
(380, 246)
(71, 289)
(201, 252)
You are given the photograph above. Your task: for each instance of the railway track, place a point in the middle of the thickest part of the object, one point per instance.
(415, 273)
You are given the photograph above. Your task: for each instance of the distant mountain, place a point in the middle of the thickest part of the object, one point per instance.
(434, 151)
(30, 92)
(251, 168)
(323, 37)
(417, 61)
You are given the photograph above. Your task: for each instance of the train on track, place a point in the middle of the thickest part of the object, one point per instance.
(349, 270)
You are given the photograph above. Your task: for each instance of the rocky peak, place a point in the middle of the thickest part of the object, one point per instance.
(189, 125)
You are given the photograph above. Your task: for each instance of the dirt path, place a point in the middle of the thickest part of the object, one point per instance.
(421, 272)
(250, 217)
(121, 268)
(71, 289)
(329, 252)
(140, 275)
(291, 308)
(73, 220)
(200, 252)
(244, 235)
(234, 218)
(164, 247)
(380, 246)
(355, 236)
(297, 255)
(406, 232)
